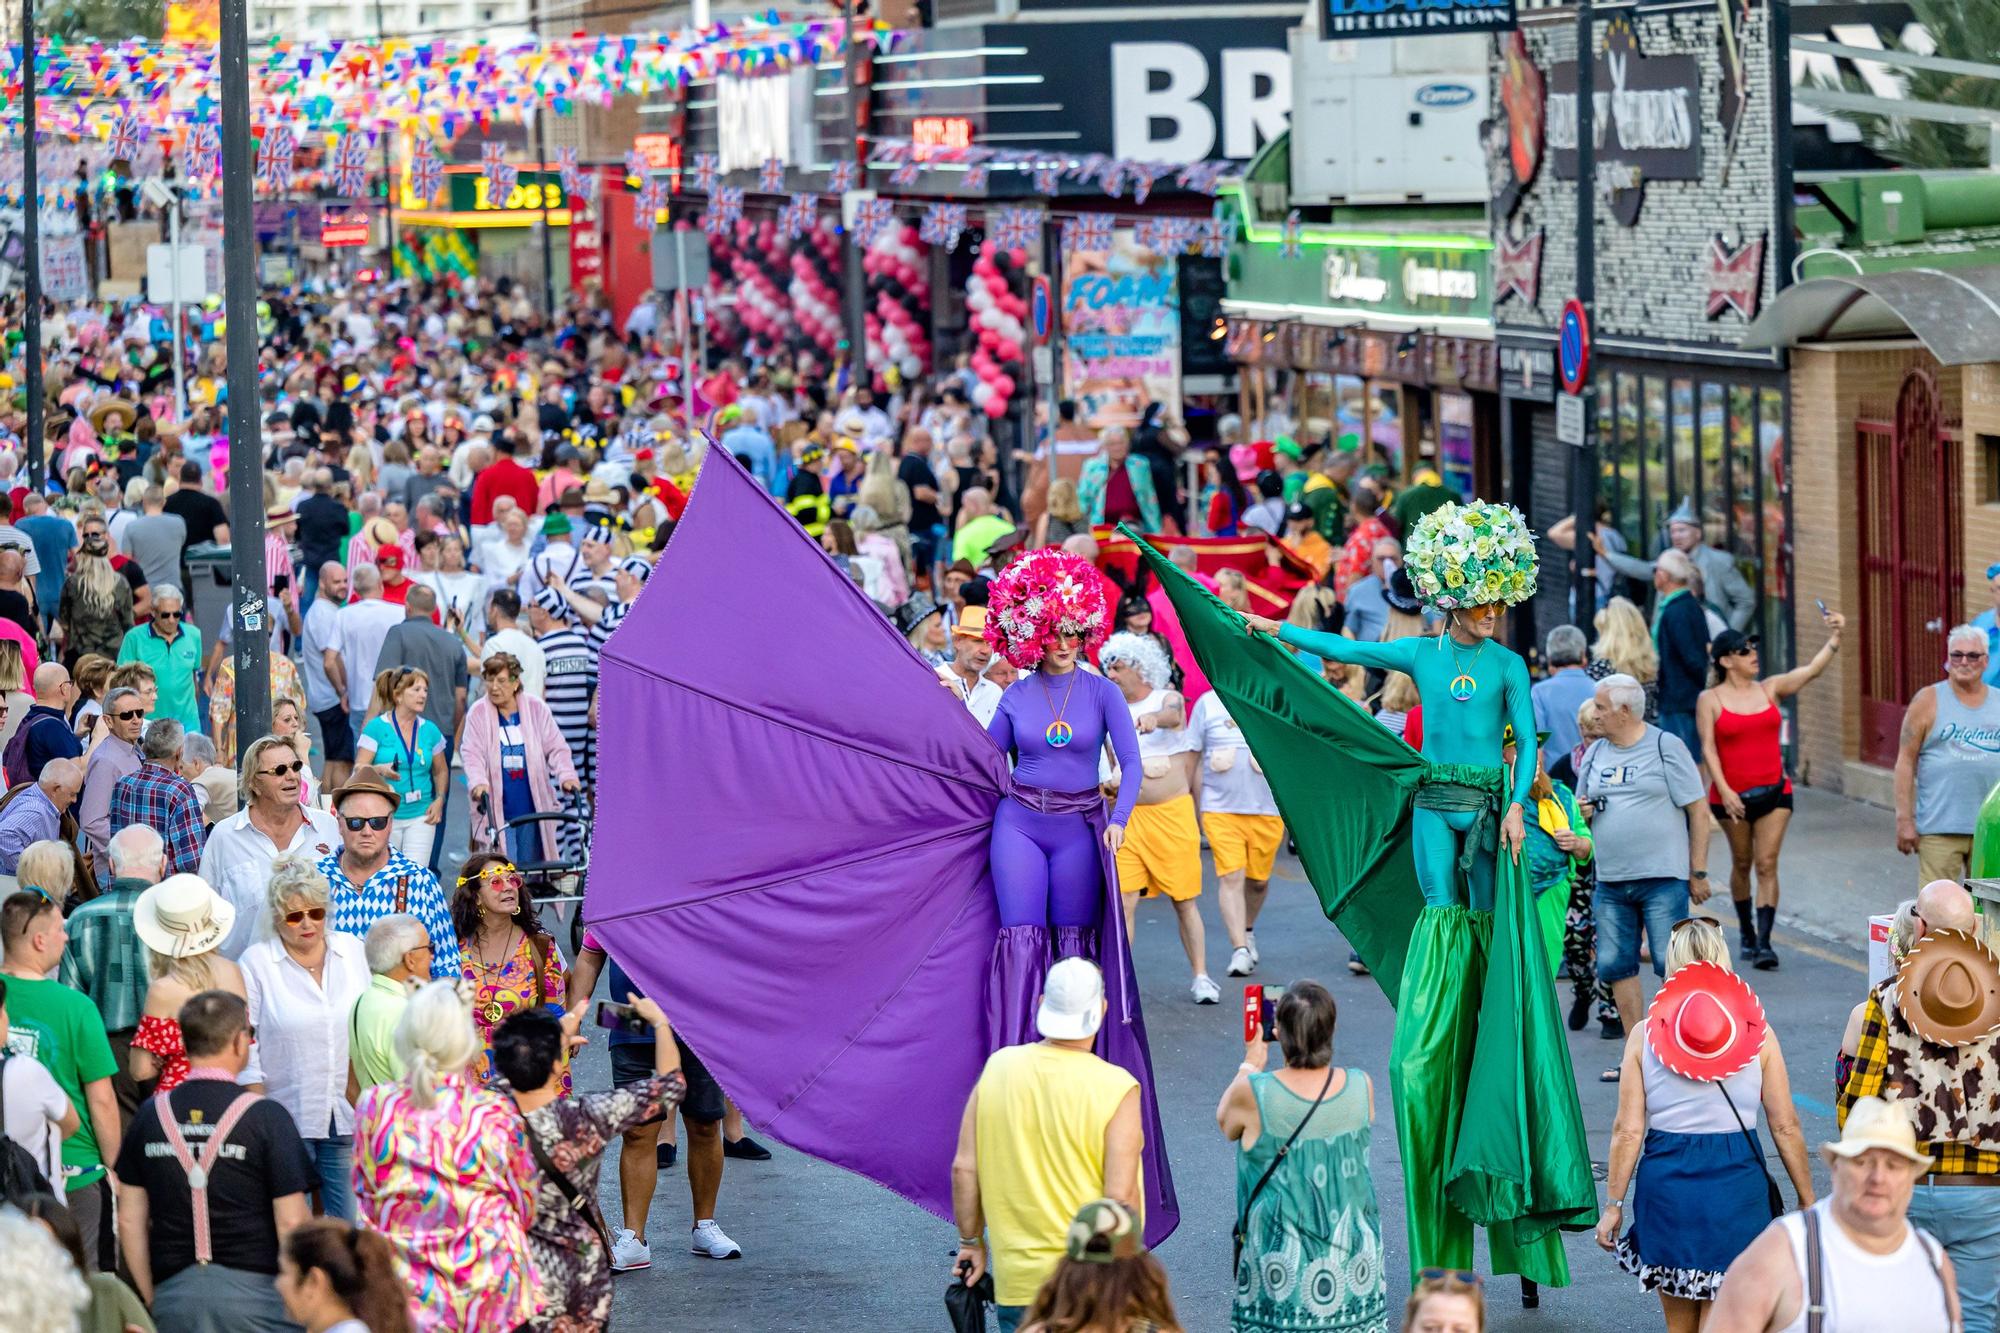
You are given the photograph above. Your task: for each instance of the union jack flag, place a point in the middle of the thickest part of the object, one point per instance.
(1210, 237)
(567, 170)
(426, 173)
(942, 225)
(771, 176)
(872, 219)
(350, 165)
(704, 173)
(799, 216)
(724, 210)
(636, 164)
(841, 180)
(1088, 231)
(274, 157)
(1016, 228)
(1289, 247)
(127, 137)
(1201, 177)
(650, 203)
(1143, 175)
(977, 174)
(1047, 180)
(1089, 167)
(501, 175)
(906, 172)
(200, 151)
(586, 187)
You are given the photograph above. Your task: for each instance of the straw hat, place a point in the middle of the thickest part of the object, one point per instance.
(123, 406)
(1949, 988)
(1873, 1123)
(182, 916)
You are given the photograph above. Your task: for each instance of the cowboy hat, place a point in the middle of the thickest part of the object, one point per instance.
(1705, 1023)
(1873, 1123)
(102, 411)
(182, 916)
(971, 623)
(1948, 988)
(367, 780)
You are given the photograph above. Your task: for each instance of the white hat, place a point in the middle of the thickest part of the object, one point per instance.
(181, 916)
(1072, 1005)
(1873, 1123)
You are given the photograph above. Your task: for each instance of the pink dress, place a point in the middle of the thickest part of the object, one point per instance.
(452, 1187)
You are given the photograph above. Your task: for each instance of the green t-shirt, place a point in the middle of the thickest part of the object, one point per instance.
(371, 1035)
(60, 1027)
(410, 757)
(976, 538)
(174, 667)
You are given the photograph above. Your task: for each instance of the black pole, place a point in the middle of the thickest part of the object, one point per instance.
(250, 606)
(1583, 463)
(388, 166)
(542, 161)
(31, 249)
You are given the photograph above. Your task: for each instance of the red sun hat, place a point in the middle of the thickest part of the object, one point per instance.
(1705, 1023)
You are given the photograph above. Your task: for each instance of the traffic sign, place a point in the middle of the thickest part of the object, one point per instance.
(1569, 419)
(1573, 346)
(1041, 308)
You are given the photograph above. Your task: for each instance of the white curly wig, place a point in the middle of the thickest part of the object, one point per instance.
(43, 1292)
(1141, 652)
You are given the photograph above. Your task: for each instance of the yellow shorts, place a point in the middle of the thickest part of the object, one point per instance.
(1243, 842)
(1162, 851)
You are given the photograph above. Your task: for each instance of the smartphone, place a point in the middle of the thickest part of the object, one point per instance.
(1822, 608)
(621, 1018)
(1260, 1006)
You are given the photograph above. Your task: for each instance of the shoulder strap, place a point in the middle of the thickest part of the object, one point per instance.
(1931, 1248)
(581, 1202)
(1756, 1153)
(1243, 1221)
(1815, 1277)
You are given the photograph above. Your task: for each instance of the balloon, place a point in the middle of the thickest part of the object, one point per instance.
(996, 406)
(982, 393)
(910, 366)
(1004, 385)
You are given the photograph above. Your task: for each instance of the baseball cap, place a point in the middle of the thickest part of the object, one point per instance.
(1072, 1001)
(1298, 513)
(1729, 643)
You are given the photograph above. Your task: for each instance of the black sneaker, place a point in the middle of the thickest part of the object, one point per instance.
(1749, 951)
(1767, 958)
(666, 1154)
(1579, 1011)
(1611, 1029)
(745, 1149)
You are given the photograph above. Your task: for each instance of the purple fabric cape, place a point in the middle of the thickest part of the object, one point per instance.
(791, 847)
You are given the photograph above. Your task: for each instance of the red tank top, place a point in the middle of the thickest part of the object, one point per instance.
(1747, 747)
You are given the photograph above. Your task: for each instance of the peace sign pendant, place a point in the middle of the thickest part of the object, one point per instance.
(1059, 734)
(1463, 687)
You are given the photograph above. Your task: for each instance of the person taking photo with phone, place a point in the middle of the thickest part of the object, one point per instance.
(1742, 744)
(1304, 1194)
(571, 1246)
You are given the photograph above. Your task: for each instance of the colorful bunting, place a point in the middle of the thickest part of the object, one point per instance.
(1016, 228)
(841, 178)
(771, 176)
(942, 225)
(350, 165)
(275, 154)
(426, 172)
(872, 218)
(126, 137)
(704, 173)
(799, 215)
(649, 206)
(1087, 231)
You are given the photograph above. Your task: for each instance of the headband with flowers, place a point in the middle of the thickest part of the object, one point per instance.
(1472, 555)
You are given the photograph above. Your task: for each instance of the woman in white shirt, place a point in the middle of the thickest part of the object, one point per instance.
(39, 1114)
(302, 984)
(506, 555)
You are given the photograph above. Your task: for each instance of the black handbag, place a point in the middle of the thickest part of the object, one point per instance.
(967, 1305)
(1775, 1199)
(1243, 1218)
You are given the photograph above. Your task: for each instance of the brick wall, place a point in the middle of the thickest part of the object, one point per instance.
(1651, 278)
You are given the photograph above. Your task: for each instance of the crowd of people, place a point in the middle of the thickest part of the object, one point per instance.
(276, 1044)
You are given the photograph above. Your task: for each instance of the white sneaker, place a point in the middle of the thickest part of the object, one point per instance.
(1242, 963)
(711, 1243)
(1250, 940)
(628, 1252)
(1204, 990)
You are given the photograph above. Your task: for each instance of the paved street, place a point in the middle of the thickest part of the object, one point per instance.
(827, 1250)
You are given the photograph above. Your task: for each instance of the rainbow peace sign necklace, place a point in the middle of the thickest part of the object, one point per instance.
(1463, 686)
(1058, 733)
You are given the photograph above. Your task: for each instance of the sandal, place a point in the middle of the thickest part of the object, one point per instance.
(1608, 1076)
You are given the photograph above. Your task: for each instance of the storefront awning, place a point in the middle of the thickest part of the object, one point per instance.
(1955, 313)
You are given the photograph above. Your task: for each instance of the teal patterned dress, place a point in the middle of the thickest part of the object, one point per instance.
(1312, 1249)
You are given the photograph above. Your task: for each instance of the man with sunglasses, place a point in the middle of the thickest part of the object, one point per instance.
(1947, 760)
(172, 648)
(115, 757)
(371, 879)
(273, 822)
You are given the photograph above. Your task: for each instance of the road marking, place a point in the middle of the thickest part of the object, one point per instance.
(1813, 1104)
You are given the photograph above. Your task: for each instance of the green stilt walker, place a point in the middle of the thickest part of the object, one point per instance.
(1416, 859)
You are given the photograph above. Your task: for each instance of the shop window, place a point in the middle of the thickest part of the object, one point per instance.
(1662, 485)
(1989, 462)
(1624, 398)
(1774, 505)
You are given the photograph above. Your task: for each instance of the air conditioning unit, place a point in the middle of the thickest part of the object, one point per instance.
(1389, 120)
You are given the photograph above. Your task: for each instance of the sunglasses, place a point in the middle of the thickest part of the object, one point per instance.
(1965, 657)
(130, 714)
(355, 823)
(305, 914)
(166, 615)
(296, 766)
(1454, 1274)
